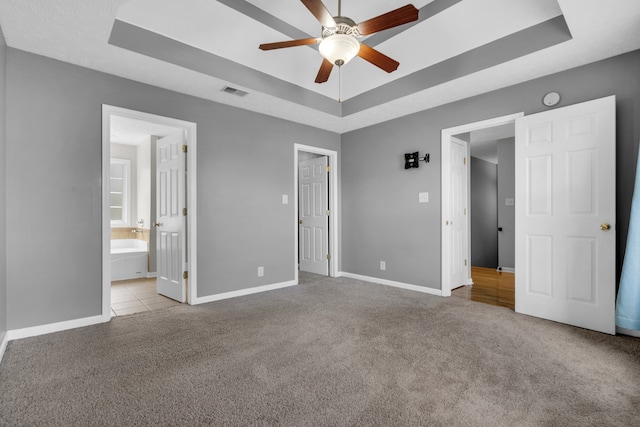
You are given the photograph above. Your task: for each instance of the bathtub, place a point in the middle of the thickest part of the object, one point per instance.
(129, 259)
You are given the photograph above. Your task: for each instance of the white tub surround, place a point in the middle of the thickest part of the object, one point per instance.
(129, 259)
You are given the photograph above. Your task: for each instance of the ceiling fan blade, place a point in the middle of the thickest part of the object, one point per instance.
(290, 43)
(325, 71)
(400, 16)
(378, 59)
(320, 11)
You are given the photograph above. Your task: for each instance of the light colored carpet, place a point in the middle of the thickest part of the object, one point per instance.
(329, 352)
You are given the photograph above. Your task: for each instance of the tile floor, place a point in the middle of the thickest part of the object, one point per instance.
(135, 296)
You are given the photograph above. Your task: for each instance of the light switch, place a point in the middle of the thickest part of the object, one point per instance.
(285, 199)
(508, 201)
(423, 197)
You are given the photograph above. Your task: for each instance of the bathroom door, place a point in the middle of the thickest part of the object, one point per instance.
(170, 222)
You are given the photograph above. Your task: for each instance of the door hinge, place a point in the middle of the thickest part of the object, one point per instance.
(328, 168)
(465, 211)
(184, 211)
(329, 257)
(185, 275)
(184, 148)
(465, 262)
(465, 160)
(328, 213)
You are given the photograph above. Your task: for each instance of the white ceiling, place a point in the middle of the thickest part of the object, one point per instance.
(132, 131)
(79, 31)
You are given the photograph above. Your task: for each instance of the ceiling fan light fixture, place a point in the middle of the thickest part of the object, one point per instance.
(339, 48)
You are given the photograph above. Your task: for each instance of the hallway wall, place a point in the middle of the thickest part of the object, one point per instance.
(484, 213)
(506, 213)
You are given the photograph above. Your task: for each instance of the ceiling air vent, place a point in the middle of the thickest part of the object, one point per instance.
(234, 91)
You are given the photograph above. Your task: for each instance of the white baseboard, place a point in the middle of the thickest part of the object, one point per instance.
(625, 331)
(152, 275)
(507, 269)
(386, 282)
(243, 292)
(53, 327)
(3, 344)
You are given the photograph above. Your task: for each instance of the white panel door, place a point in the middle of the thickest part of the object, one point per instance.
(170, 223)
(313, 199)
(565, 213)
(458, 221)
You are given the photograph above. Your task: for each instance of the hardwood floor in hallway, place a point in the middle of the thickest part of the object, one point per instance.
(490, 287)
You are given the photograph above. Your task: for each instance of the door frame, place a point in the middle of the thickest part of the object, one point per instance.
(190, 130)
(333, 205)
(445, 170)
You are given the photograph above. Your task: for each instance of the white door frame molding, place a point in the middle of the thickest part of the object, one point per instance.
(446, 136)
(333, 205)
(191, 138)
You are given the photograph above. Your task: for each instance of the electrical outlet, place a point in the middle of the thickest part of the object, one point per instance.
(423, 197)
(260, 271)
(285, 199)
(383, 265)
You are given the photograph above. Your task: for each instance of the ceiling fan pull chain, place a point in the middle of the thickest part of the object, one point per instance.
(339, 7)
(339, 84)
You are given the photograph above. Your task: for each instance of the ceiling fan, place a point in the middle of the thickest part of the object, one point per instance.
(339, 42)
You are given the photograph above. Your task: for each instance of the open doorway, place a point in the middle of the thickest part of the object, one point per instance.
(148, 211)
(456, 202)
(316, 201)
(492, 197)
(492, 216)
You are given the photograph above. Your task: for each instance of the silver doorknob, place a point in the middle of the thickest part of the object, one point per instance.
(605, 227)
(156, 224)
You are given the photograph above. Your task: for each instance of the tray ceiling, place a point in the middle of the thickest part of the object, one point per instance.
(455, 50)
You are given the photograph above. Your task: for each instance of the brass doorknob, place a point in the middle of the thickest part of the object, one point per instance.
(300, 221)
(156, 224)
(605, 227)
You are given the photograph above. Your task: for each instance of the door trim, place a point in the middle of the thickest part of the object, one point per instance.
(333, 205)
(191, 138)
(445, 170)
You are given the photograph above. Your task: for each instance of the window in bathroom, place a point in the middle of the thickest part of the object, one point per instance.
(119, 192)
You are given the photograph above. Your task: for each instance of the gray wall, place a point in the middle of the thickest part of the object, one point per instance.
(3, 188)
(53, 163)
(382, 219)
(484, 213)
(54, 187)
(506, 214)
